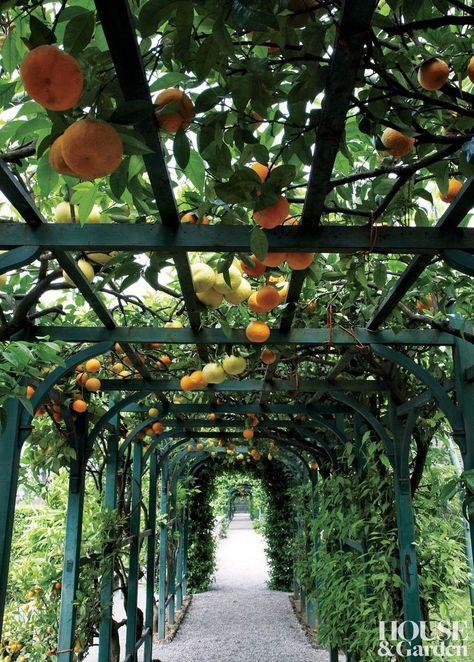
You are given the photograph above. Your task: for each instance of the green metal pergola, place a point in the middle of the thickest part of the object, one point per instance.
(301, 425)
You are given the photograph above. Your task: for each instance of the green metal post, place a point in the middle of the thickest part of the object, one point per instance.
(172, 569)
(72, 543)
(110, 501)
(150, 556)
(406, 526)
(163, 548)
(134, 554)
(185, 552)
(179, 565)
(464, 380)
(10, 442)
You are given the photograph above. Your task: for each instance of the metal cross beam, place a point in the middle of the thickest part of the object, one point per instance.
(212, 336)
(125, 52)
(250, 386)
(251, 408)
(352, 33)
(235, 238)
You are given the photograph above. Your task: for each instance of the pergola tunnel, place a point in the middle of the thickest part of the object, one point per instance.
(236, 260)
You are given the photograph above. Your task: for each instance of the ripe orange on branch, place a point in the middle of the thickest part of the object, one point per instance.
(274, 259)
(79, 406)
(299, 261)
(396, 143)
(91, 148)
(52, 77)
(256, 270)
(454, 186)
(174, 120)
(257, 331)
(267, 298)
(261, 170)
(56, 160)
(433, 74)
(274, 215)
(267, 356)
(470, 69)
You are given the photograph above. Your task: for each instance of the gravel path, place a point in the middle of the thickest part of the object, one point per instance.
(240, 619)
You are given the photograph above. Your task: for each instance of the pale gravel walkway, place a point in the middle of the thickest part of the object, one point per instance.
(240, 619)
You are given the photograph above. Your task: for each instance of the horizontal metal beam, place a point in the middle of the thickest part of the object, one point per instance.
(211, 336)
(228, 408)
(249, 385)
(235, 238)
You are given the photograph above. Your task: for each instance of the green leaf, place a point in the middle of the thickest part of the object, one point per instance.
(131, 112)
(79, 32)
(281, 176)
(39, 32)
(467, 478)
(258, 242)
(85, 194)
(196, 170)
(441, 173)
(380, 274)
(206, 57)
(118, 180)
(207, 100)
(181, 149)
(46, 177)
(132, 144)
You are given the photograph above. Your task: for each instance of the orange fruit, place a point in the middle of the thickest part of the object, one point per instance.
(267, 356)
(425, 303)
(253, 305)
(274, 215)
(80, 406)
(261, 170)
(433, 74)
(30, 391)
(186, 383)
(396, 143)
(173, 121)
(163, 362)
(291, 220)
(191, 218)
(52, 77)
(248, 433)
(82, 378)
(197, 379)
(454, 186)
(55, 158)
(92, 148)
(93, 365)
(92, 384)
(470, 69)
(190, 448)
(40, 412)
(255, 271)
(158, 427)
(255, 454)
(267, 298)
(212, 417)
(57, 416)
(274, 259)
(299, 261)
(257, 331)
(199, 446)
